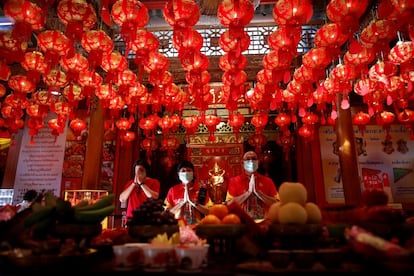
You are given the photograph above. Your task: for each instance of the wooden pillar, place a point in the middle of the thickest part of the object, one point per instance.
(92, 164)
(348, 158)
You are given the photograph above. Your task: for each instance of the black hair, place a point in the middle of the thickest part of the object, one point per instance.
(30, 195)
(185, 164)
(141, 162)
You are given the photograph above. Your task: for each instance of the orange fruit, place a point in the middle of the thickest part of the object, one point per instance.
(220, 210)
(231, 219)
(210, 219)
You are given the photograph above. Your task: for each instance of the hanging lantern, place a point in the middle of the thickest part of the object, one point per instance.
(89, 80)
(292, 12)
(55, 79)
(27, 16)
(402, 52)
(74, 65)
(21, 84)
(123, 124)
(2, 90)
(347, 13)
(361, 119)
(307, 132)
(286, 140)
(57, 125)
(54, 44)
(257, 141)
(165, 123)
(285, 39)
(77, 16)
(5, 71)
(259, 120)
(77, 125)
(97, 43)
(211, 121)
(11, 49)
(407, 118)
(127, 136)
(149, 124)
(236, 121)
(317, 58)
(73, 94)
(365, 86)
(332, 36)
(190, 124)
(34, 124)
(156, 61)
(181, 13)
(385, 119)
(378, 34)
(235, 13)
(144, 43)
(170, 144)
(149, 145)
(283, 121)
(35, 65)
(112, 64)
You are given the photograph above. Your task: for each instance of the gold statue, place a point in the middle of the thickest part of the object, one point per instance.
(217, 187)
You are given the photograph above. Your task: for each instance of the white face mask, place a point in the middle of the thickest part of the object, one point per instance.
(185, 177)
(251, 165)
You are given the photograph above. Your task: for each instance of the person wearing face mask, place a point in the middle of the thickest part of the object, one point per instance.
(253, 191)
(183, 199)
(138, 189)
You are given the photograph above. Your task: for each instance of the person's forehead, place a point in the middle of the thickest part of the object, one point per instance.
(140, 167)
(250, 154)
(186, 169)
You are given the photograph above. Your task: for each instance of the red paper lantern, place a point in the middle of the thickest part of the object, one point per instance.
(127, 136)
(89, 80)
(156, 61)
(129, 15)
(55, 79)
(35, 65)
(365, 86)
(259, 120)
(27, 16)
(236, 121)
(190, 124)
(211, 121)
(238, 44)
(144, 43)
(149, 124)
(228, 62)
(11, 49)
(378, 34)
(77, 125)
(165, 123)
(77, 16)
(332, 36)
(283, 121)
(21, 84)
(361, 119)
(292, 12)
(74, 65)
(73, 93)
(402, 52)
(385, 119)
(54, 45)
(112, 64)
(2, 90)
(97, 43)
(149, 145)
(285, 38)
(235, 13)
(307, 132)
(317, 58)
(181, 13)
(257, 141)
(346, 13)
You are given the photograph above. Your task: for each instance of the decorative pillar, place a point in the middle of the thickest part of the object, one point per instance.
(348, 158)
(92, 164)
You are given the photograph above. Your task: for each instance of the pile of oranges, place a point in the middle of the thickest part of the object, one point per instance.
(220, 214)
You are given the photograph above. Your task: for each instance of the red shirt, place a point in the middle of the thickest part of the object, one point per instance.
(239, 184)
(137, 196)
(176, 192)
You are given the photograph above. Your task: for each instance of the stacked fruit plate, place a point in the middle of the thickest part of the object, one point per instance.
(150, 219)
(221, 222)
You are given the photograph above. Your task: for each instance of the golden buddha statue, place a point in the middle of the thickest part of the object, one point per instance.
(217, 187)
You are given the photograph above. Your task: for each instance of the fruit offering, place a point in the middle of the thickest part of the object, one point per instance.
(293, 207)
(220, 214)
(152, 212)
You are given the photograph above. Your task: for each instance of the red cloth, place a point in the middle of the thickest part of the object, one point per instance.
(137, 196)
(239, 184)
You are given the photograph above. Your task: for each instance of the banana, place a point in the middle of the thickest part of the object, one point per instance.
(99, 204)
(93, 216)
(50, 199)
(41, 213)
(81, 203)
